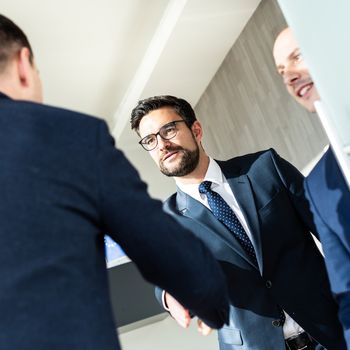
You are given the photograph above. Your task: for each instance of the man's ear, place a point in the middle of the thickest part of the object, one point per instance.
(24, 67)
(197, 130)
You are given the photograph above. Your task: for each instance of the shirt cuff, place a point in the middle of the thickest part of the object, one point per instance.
(164, 302)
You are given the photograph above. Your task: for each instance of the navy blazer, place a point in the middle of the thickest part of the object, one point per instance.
(63, 185)
(329, 198)
(291, 270)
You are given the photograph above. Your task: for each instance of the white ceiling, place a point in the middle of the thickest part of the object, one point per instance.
(101, 57)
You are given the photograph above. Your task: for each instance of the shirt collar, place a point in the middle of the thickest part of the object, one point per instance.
(213, 174)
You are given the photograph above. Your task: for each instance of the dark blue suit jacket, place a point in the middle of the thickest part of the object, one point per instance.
(291, 271)
(63, 185)
(329, 198)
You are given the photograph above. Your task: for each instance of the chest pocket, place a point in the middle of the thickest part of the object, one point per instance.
(272, 203)
(230, 336)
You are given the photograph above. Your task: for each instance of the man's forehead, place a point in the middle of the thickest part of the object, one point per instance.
(155, 119)
(284, 47)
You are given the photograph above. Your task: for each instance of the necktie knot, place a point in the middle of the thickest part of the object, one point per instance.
(204, 187)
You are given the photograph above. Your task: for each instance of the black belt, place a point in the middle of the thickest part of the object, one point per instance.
(299, 342)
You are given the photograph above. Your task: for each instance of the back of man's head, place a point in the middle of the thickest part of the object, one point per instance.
(19, 77)
(12, 39)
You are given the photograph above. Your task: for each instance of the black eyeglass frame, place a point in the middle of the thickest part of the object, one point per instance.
(160, 134)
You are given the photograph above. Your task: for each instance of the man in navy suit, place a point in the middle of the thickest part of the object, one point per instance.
(325, 186)
(278, 286)
(63, 186)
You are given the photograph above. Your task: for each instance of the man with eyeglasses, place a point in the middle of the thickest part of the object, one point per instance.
(251, 212)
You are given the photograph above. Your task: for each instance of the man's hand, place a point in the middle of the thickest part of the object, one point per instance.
(178, 312)
(203, 328)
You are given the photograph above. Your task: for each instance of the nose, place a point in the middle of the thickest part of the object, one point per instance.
(162, 143)
(290, 77)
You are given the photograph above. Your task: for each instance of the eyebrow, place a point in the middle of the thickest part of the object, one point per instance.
(281, 66)
(154, 133)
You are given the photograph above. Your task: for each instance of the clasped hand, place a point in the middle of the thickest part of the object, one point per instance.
(183, 317)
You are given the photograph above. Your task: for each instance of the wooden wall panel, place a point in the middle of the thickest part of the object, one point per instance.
(246, 107)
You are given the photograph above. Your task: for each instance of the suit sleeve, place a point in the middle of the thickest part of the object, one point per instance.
(344, 314)
(165, 253)
(293, 180)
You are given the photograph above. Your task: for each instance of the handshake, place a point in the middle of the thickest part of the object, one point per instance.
(183, 316)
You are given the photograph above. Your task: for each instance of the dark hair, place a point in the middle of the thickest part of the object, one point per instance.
(12, 39)
(179, 105)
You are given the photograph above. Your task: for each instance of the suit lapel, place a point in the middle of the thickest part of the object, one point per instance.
(195, 210)
(243, 193)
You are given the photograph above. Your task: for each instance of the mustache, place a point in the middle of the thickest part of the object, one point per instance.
(173, 148)
(168, 150)
(302, 82)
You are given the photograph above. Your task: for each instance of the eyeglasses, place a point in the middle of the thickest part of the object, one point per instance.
(166, 132)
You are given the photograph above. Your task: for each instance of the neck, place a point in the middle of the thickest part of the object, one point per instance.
(9, 88)
(198, 174)
(5, 86)
(8, 81)
(8, 92)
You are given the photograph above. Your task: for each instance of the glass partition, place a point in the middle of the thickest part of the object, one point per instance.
(322, 29)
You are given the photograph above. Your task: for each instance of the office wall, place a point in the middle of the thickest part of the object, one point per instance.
(246, 108)
(167, 335)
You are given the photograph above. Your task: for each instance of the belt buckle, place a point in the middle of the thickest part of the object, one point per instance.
(289, 348)
(299, 341)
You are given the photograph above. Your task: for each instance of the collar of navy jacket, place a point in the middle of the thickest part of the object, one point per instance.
(241, 187)
(2, 95)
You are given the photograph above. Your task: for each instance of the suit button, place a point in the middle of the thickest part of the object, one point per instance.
(268, 284)
(277, 323)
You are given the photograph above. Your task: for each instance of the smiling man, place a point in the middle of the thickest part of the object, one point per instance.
(325, 187)
(250, 212)
(291, 66)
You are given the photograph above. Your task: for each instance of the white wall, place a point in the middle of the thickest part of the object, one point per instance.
(167, 335)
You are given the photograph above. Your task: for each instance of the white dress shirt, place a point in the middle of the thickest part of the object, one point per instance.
(221, 186)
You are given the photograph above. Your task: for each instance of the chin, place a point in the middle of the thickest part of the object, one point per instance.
(308, 105)
(312, 110)
(311, 106)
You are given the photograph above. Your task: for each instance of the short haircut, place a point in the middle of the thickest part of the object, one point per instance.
(179, 105)
(12, 39)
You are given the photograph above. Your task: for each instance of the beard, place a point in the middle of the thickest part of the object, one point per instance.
(186, 165)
